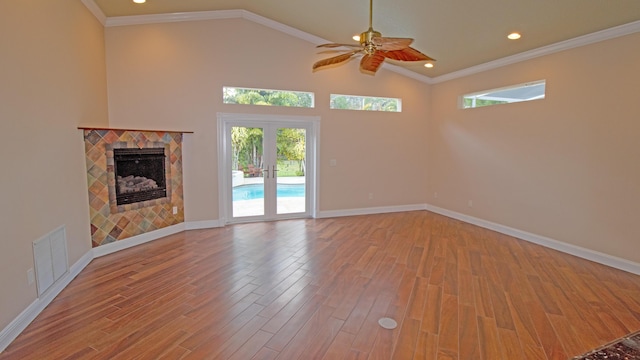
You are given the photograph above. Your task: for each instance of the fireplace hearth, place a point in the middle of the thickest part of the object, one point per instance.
(140, 174)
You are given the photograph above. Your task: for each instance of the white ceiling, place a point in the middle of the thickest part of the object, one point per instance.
(459, 34)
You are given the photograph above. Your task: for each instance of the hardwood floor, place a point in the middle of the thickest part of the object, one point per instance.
(315, 289)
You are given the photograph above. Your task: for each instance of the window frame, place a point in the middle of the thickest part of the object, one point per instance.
(474, 96)
(312, 95)
(398, 102)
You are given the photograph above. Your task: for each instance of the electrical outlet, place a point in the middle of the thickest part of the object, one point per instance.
(175, 210)
(370, 196)
(333, 162)
(435, 194)
(470, 203)
(31, 276)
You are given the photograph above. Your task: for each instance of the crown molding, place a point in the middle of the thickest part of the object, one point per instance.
(241, 14)
(212, 15)
(96, 11)
(407, 73)
(611, 33)
(588, 39)
(316, 40)
(173, 17)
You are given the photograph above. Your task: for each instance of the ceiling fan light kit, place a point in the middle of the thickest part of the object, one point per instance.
(374, 49)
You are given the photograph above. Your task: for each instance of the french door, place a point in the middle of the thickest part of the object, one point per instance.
(267, 167)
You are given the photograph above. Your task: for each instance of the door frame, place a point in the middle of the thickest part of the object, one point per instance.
(226, 120)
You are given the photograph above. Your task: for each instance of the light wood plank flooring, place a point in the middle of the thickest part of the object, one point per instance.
(315, 289)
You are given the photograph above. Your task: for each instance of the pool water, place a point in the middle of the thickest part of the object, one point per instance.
(256, 191)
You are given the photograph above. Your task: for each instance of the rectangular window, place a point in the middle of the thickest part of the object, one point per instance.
(517, 93)
(249, 96)
(368, 103)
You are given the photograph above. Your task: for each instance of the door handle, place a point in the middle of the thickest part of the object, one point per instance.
(273, 170)
(266, 171)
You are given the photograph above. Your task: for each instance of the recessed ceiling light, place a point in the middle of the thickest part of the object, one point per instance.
(428, 65)
(139, 1)
(514, 36)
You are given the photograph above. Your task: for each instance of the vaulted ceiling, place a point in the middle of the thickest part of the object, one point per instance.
(459, 34)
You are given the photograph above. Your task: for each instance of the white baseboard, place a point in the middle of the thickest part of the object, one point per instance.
(203, 224)
(137, 240)
(595, 256)
(369, 211)
(153, 235)
(601, 258)
(11, 331)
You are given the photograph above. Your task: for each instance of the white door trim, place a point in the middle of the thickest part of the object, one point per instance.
(224, 181)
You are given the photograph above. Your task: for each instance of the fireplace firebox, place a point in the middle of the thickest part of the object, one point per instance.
(140, 174)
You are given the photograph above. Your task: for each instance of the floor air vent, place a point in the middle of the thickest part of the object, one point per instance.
(50, 258)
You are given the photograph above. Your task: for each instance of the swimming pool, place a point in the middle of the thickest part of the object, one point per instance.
(256, 191)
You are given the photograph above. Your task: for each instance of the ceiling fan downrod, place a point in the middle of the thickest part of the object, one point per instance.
(371, 14)
(366, 38)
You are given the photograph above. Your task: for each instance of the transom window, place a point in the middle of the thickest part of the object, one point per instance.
(267, 97)
(517, 93)
(367, 103)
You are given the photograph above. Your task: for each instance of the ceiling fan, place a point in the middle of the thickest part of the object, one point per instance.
(374, 49)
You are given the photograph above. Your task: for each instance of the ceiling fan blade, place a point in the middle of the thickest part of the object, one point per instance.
(406, 54)
(371, 63)
(391, 44)
(334, 45)
(334, 60)
(375, 49)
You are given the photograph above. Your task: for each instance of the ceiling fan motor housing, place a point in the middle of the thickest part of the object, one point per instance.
(366, 40)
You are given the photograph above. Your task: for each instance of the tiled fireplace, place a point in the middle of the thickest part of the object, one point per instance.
(113, 218)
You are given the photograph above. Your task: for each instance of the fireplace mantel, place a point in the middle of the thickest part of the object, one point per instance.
(121, 129)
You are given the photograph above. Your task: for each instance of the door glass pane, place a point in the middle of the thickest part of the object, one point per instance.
(247, 176)
(290, 175)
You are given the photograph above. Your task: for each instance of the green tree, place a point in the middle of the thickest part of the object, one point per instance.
(347, 102)
(380, 104)
(291, 145)
(246, 145)
(255, 143)
(251, 97)
(238, 144)
(267, 97)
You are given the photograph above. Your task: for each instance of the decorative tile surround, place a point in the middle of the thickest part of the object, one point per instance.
(110, 222)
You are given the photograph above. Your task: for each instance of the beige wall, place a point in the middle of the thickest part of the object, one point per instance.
(565, 167)
(52, 79)
(170, 76)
